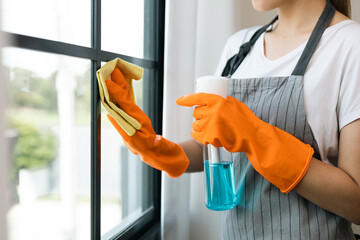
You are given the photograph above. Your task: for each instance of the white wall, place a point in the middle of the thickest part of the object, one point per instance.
(355, 5)
(210, 42)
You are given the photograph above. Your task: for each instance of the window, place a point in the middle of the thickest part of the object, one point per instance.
(71, 175)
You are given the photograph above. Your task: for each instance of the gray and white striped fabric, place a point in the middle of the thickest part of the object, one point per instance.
(264, 212)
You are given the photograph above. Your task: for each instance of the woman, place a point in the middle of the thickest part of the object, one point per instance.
(291, 122)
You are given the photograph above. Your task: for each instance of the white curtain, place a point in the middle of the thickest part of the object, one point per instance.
(3, 152)
(196, 31)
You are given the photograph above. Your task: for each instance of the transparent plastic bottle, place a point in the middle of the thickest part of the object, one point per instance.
(220, 189)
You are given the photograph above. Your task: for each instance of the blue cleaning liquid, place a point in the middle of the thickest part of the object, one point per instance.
(220, 190)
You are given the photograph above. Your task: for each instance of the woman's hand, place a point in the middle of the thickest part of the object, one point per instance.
(153, 149)
(277, 155)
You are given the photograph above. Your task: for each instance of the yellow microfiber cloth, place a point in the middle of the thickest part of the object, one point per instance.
(131, 72)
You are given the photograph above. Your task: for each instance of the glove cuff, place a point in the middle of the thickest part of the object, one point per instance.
(281, 158)
(166, 156)
(302, 172)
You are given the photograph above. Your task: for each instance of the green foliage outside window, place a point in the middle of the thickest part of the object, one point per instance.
(30, 97)
(33, 112)
(27, 89)
(35, 148)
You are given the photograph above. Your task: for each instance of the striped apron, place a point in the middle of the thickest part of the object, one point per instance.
(264, 212)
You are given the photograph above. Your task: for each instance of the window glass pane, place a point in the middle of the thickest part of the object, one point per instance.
(127, 27)
(48, 121)
(62, 20)
(126, 182)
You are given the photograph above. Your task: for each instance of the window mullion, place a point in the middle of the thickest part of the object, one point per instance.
(95, 124)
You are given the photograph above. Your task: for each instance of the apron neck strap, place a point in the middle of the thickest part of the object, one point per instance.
(234, 62)
(314, 39)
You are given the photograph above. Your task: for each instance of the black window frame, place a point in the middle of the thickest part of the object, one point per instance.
(148, 225)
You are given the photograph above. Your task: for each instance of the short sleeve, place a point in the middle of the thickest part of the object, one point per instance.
(349, 95)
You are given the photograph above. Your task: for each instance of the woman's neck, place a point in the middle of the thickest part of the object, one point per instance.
(298, 16)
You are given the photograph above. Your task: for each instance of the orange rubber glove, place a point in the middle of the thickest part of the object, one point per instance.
(153, 149)
(278, 156)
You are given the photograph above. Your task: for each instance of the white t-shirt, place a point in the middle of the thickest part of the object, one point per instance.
(331, 81)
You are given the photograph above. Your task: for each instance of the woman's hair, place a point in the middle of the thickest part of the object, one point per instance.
(342, 6)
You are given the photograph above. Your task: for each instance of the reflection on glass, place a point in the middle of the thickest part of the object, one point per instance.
(126, 189)
(122, 26)
(61, 20)
(48, 128)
